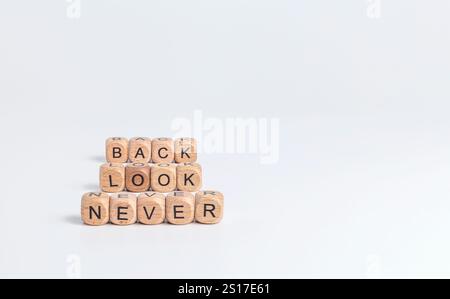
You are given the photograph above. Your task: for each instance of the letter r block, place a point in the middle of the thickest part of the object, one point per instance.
(180, 208)
(209, 207)
(95, 209)
(117, 150)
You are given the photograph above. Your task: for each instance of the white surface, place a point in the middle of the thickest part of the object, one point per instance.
(362, 185)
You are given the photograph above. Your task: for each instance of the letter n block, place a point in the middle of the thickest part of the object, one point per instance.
(95, 208)
(151, 208)
(117, 150)
(140, 150)
(163, 178)
(123, 209)
(112, 177)
(189, 177)
(185, 150)
(209, 207)
(180, 208)
(162, 150)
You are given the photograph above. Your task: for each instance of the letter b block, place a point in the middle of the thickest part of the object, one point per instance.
(138, 177)
(123, 209)
(162, 150)
(112, 177)
(163, 178)
(95, 209)
(189, 177)
(208, 207)
(117, 150)
(180, 208)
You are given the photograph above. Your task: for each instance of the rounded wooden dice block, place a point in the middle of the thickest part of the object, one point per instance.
(189, 177)
(151, 208)
(163, 150)
(163, 178)
(209, 207)
(112, 177)
(117, 150)
(185, 150)
(140, 150)
(137, 177)
(180, 208)
(123, 209)
(95, 209)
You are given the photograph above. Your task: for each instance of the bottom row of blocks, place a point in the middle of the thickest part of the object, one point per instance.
(152, 208)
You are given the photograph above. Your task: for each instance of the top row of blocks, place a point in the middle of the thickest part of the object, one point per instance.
(146, 150)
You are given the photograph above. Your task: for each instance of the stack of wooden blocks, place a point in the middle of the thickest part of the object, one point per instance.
(151, 181)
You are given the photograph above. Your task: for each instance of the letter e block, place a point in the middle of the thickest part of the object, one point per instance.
(117, 150)
(123, 209)
(95, 209)
(185, 150)
(140, 150)
(151, 208)
(209, 207)
(163, 178)
(162, 150)
(112, 177)
(138, 177)
(180, 208)
(189, 177)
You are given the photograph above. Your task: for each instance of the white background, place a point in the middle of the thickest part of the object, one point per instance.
(362, 185)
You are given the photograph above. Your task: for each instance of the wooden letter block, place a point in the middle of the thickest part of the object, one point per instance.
(138, 177)
(208, 207)
(163, 178)
(140, 150)
(189, 177)
(180, 208)
(95, 208)
(117, 150)
(185, 150)
(112, 177)
(162, 150)
(123, 209)
(151, 208)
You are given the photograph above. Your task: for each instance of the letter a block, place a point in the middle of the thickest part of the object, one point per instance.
(163, 178)
(140, 150)
(162, 150)
(151, 208)
(95, 209)
(112, 177)
(138, 177)
(123, 209)
(189, 177)
(117, 150)
(180, 208)
(208, 207)
(185, 150)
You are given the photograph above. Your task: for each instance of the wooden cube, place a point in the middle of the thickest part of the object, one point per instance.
(137, 177)
(185, 150)
(112, 177)
(209, 207)
(163, 178)
(117, 150)
(151, 208)
(140, 150)
(163, 150)
(180, 208)
(123, 209)
(189, 177)
(95, 208)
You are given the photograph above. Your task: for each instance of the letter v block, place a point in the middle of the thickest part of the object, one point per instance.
(151, 208)
(95, 209)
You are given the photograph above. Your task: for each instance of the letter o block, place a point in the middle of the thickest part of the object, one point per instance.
(209, 207)
(117, 150)
(180, 208)
(123, 209)
(162, 150)
(151, 208)
(112, 177)
(95, 209)
(163, 178)
(189, 177)
(138, 177)
(185, 150)
(140, 150)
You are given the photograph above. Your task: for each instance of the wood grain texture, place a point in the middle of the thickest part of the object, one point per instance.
(140, 150)
(95, 208)
(112, 177)
(189, 177)
(163, 177)
(137, 177)
(209, 207)
(117, 150)
(185, 150)
(123, 209)
(151, 208)
(180, 208)
(163, 150)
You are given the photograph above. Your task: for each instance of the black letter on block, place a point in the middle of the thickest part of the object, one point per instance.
(176, 212)
(111, 184)
(163, 149)
(117, 152)
(98, 214)
(211, 210)
(168, 180)
(120, 213)
(141, 180)
(188, 179)
(140, 152)
(184, 152)
(151, 214)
